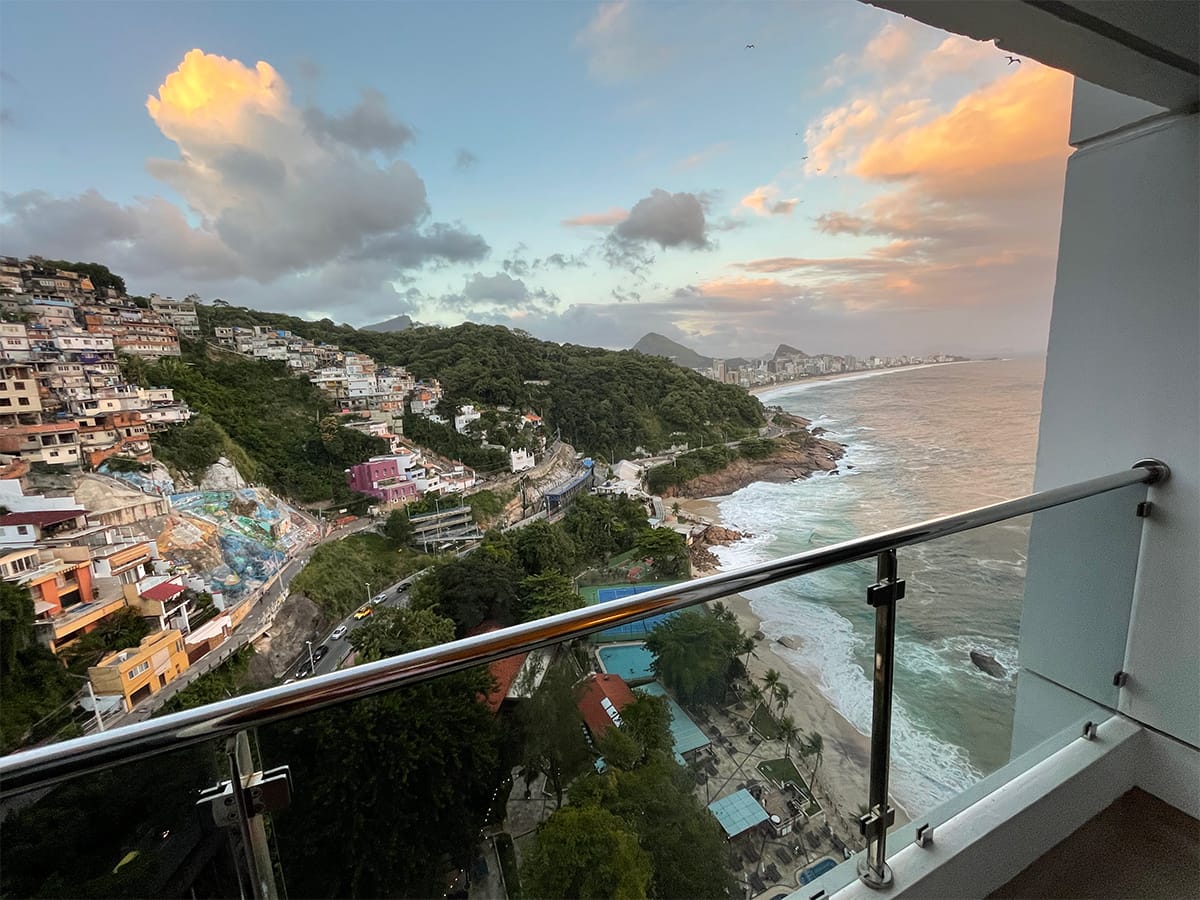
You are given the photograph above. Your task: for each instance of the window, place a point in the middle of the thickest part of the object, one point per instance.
(5, 401)
(22, 529)
(21, 401)
(18, 385)
(138, 669)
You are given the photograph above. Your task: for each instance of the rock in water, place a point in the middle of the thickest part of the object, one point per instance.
(987, 663)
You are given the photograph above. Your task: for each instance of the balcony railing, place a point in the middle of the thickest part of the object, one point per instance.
(236, 719)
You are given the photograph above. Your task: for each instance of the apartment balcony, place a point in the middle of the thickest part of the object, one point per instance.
(1080, 770)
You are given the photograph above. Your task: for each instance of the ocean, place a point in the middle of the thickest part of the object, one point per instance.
(919, 443)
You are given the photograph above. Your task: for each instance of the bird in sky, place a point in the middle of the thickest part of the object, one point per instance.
(749, 46)
(803, 157)
(1013, 59)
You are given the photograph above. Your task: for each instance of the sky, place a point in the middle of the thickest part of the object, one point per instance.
(854, 182)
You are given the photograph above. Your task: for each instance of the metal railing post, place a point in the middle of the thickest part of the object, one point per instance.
(873, 869)
(241, 803)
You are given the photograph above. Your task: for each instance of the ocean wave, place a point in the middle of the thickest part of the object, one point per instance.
(925, 770)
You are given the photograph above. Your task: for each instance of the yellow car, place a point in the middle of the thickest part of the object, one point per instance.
(363, 611)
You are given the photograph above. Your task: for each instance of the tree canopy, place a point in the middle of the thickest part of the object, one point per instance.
(655, 800)
(695, 653)
(586, 852)
(392, 783)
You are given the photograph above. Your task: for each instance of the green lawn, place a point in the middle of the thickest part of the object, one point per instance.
(782, 771)
(764, 723)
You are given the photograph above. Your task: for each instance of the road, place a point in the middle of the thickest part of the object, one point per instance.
(397, 597)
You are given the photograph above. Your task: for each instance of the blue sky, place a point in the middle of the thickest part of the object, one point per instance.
(429, 158)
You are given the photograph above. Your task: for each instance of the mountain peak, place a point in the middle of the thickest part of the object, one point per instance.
(397, 323)
(783, 350)
(654, 344)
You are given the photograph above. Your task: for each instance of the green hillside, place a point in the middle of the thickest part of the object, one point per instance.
(276, 427)
(604, 402)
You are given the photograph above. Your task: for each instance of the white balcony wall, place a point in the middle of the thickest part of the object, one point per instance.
(1123, 382)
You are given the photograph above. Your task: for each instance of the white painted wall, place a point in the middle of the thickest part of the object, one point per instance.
(1123, 382)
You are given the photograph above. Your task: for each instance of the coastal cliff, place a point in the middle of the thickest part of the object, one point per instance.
(792, 457)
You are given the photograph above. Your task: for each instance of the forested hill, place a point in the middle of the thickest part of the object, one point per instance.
(604, 402)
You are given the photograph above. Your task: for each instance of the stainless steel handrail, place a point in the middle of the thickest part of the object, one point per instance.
(41, 766)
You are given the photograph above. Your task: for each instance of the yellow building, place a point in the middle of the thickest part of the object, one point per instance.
(140, 671)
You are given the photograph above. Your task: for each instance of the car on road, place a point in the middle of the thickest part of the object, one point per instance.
(304, 671)
(319, 653)
(363, 611)
(380, 598)
(338, 633)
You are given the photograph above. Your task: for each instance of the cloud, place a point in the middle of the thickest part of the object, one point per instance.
(8, 78)
(272, 192)
(592, 220)
(464, 160)
(368, 126)
(969, 207)
(617, 45)
(669, 220)
(700, 158)
(484, 297)
(761, 201)
(308, 68)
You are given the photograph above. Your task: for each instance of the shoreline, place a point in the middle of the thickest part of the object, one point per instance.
(762, 391)
(845, 765)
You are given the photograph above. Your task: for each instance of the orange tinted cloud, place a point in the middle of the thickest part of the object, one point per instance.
(747, 288)
(762, 201)
(211, 91)
(1014, 121)
(611, 217)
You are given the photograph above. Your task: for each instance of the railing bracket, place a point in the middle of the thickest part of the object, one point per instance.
(1089, 731)
(1121, 679)
(924, 835)
(1144, 509)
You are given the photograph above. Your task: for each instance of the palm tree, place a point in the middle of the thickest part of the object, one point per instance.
(783, 694)
(771, 681)
(787, 727)
(748, 649)
(814, 747)
(756, 695)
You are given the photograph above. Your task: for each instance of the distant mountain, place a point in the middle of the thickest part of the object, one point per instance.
(783, 351)
(399, 323)
(653, 344)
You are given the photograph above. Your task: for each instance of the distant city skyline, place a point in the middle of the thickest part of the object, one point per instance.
(855, 183)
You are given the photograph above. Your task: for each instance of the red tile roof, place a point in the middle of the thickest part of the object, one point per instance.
(597, 689)
(41, 517)
(164, 591)
(504, 671)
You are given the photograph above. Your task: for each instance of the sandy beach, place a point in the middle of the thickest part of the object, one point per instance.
(766, 391)
(841, 781)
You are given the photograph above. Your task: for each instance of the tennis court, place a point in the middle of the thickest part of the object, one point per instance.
(631, 631)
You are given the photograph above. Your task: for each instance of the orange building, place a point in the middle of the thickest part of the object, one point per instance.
(138, 672)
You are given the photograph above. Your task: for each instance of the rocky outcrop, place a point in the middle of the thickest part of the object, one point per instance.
(796, 457)
(985, 662)
(298, 620)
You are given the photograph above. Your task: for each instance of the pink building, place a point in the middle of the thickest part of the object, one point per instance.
(387, 478)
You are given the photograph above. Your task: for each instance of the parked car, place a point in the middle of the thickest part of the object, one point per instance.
(319, 653)
(339, 633)
(363, 611)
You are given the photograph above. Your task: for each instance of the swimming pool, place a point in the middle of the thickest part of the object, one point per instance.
(631, 662)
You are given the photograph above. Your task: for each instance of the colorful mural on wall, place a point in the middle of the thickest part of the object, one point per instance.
(235, 539)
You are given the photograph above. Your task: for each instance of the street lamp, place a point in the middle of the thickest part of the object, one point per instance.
(368, 584)
(95, 706)
(312, 666)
